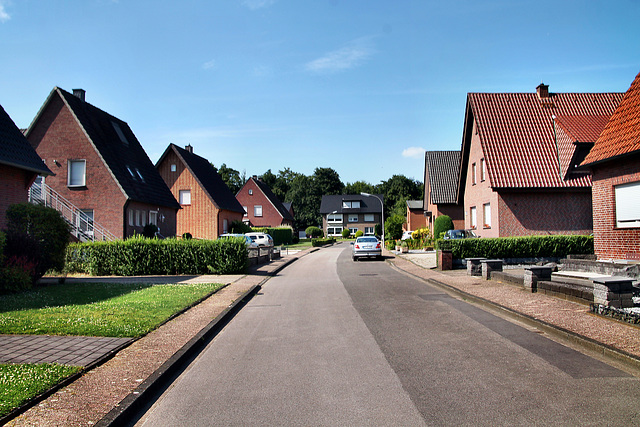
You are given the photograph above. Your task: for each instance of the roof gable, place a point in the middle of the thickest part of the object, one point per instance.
(275, 201)
(442, 167)
(15, 150)
(208, 178)
(519, 139)
(621, 135)
(121, 152)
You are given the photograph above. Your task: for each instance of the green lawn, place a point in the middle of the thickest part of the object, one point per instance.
(19, 383)
(104, 309)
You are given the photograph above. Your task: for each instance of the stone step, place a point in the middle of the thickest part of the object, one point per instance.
(579, 278)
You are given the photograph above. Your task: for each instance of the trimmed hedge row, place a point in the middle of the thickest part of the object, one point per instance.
(281, 235)
(321, 242)
(519, 247)
(139, 256)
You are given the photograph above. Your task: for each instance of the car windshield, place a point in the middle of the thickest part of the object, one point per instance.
(457, 234)
(367, 240)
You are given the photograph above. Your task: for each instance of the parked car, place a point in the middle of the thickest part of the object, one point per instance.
(248, 240)
(366, 246)
(460, 234)
(261, 239)
(407, 235)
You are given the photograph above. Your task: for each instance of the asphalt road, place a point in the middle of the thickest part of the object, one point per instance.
(330, 341)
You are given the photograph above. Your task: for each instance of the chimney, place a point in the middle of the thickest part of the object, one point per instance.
(543, 91)
(189, 148)
(79, 93)
(255, 177)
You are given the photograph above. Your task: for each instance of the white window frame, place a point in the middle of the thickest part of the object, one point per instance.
(225, 226)
(184, 197)
(483, 170)
(143, 217)
(353, 230)
(474, 218)
(132, 216)
(335, 219)
(369, 218)
(369, 231)
(354, 204)
(137, 218)
(473, 174)
(486, 215)
(153, 218)
(353, 217)
(334, 231)
(627, 208)
(174, 168)
(246, 212)
(71, 173)
(257, 210)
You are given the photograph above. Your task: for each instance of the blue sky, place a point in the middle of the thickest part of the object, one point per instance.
(363, 87)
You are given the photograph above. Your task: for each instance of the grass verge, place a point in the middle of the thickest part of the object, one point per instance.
(19, 383)
(97, 309)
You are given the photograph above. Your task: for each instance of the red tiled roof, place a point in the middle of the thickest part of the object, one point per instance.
(517, 134)
(622, 134)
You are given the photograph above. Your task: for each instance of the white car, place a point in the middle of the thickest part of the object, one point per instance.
(248, 240)
(261, 239)
(407, 235)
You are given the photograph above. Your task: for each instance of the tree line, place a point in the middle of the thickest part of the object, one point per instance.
(305, 192)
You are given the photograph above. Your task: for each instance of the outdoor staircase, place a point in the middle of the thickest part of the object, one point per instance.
(82, 225)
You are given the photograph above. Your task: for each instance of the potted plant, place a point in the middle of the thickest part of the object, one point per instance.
(404, 247)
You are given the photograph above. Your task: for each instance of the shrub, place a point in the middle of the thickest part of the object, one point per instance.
(36, 234)
(442, 224)
(14, 279)
(346, 233)
(239, 227)
(150, 231)
(314, 232)
(359, 233)
(519, 247)
(140, 256)
(281, 235)
(321, 242)
(421, 234)
(393, 227)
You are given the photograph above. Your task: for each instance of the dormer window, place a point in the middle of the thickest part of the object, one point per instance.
(139, 175)
(355, 204)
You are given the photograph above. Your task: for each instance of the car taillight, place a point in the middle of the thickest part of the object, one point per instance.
(357, 246)
(378, 245)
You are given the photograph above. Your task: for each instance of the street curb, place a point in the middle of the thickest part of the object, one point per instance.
(125, 412)
(630, 360)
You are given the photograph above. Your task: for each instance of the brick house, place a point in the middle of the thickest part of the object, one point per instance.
(100, 166)
(208, 206)
(440, 187)
(20, 165)
(353, 211)
(614, 162)
(262, 207)
(518, 161)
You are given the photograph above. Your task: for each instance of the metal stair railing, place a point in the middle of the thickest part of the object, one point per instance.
(82, 225)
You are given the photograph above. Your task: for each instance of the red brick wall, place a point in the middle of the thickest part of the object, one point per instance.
(415, 220)
(270, 215)
(522, 213)
(14, 187)
(611, 242)
(201, 218)
(57, 136)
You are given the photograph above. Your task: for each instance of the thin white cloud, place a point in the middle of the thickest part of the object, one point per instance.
(4, 16)
(209, 65)
(345, 58)
(413, 152)
(258, 4)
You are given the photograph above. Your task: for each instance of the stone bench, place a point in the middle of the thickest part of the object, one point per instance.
(535, 273)
(613, 291)
(474, 268)
(489, 265)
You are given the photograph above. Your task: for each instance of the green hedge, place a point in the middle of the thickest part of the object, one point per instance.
(281, 235)
(321, 242)
(519, 247)
(139, 256)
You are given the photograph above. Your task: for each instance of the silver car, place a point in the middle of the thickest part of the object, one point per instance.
(366, 246)
(261, 239)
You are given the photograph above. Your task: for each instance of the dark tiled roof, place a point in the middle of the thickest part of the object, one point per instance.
(334, 203)
(621, 135)
(122, 153)
(208, 177)
(442, 167)
(284, 212)
(15, 150)
(516, 131)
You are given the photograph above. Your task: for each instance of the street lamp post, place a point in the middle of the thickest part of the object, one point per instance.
(382, 211)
